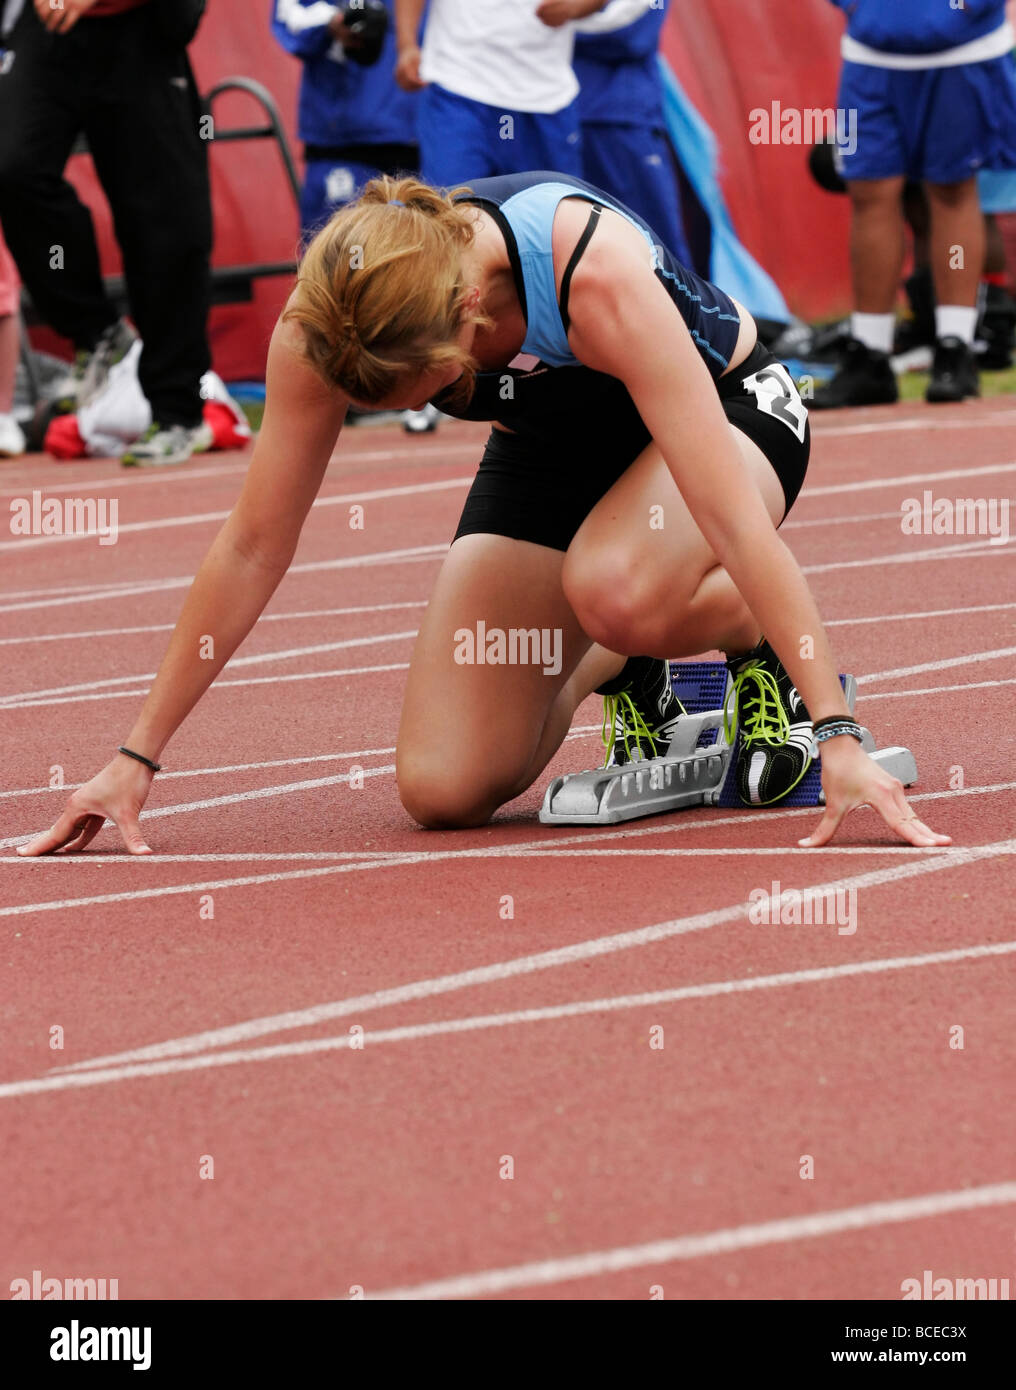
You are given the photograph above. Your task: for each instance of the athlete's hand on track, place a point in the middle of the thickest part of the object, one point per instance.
(117, 792)
(61, 18)
(851, 779)
(407, 69)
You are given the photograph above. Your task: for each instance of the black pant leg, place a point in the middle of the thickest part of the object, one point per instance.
(144, 133)
(47, 227)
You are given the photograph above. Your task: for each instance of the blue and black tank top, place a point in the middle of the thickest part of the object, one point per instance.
(558, 393)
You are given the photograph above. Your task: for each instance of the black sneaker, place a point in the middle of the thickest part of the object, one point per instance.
(774, 724)
(953, 373)
(640, 711)
(997, 330)
(865, 377)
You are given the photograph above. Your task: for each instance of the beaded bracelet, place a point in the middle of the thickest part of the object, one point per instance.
(833, 728)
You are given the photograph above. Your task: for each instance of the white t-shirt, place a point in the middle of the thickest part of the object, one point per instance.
(498, 52)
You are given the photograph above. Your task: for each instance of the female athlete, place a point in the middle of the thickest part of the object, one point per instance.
(644, 450)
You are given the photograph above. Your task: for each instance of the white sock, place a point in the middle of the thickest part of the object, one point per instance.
(955, 321)
(874, 330)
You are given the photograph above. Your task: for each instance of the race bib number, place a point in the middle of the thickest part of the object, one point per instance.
(775, 393)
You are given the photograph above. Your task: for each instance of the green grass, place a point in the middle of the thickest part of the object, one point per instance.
(253, 410)
(912, 384)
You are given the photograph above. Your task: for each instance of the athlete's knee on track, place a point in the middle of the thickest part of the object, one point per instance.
(618, 598)
(444, 795)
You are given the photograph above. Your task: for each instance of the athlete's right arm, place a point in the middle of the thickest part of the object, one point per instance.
(236, 579)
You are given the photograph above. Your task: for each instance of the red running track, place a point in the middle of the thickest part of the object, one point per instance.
(365, 1047)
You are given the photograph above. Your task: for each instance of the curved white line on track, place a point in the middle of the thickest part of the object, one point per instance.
(202, 518)
(935, 690)
(217, 685)
(79, 1076)
(18, 698)
(658, 1252)
(414, 554)
(944, 665)
(500, 970)
(298, 616)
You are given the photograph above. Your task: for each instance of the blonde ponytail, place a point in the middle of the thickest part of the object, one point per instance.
(380, 294)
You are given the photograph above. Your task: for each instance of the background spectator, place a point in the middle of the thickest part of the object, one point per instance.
(116, 70)
(354, 120)
(626, 150)
(935, 93)
(500, 93)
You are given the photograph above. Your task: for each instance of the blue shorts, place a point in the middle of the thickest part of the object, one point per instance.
(462, 139)
(941, 125)
(636, 166)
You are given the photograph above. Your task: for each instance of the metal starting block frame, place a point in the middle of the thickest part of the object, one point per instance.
(699, 769)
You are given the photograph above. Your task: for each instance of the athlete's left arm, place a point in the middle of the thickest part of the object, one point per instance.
(624, 323)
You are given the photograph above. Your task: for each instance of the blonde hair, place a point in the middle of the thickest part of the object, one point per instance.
(380, 295)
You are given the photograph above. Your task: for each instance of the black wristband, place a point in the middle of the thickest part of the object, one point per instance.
(140, 758)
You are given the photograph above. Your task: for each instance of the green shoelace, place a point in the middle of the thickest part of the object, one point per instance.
(636, 732)
(759, 710)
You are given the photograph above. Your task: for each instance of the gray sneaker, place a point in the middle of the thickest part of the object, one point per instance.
(111, 348)
(175, 444)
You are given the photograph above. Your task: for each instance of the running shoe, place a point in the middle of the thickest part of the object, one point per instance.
(91, 369)
(864, 377)
(954, 373)
(12, 438)
(640, 711)
(775, 727)
(175, 444)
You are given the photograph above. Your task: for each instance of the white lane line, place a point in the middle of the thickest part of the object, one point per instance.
(202, 518)
(613, 832)
(308, 614)
(75, 1077)
(578, 731)
(415, 554)
(944, 665)
(258, 659)
(114, 482)
(297, 616)
(344, 455)
(507, 969)
(1002, 418)
(965, 550)
(234, 767)
(906, 480)
(934, 690)
(596, 1263)
(917, 614)
(217, 685)
(32, 699)
(281, 856)
(232, 799)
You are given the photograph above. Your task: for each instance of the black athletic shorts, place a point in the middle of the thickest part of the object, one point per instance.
(541, 487)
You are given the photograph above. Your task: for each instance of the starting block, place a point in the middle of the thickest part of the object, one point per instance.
(699, 769)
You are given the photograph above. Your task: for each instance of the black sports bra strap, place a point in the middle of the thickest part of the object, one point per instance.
(583, 242)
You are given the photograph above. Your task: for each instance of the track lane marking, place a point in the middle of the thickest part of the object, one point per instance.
(80, 1075)
(689, 1247)
(501, 970)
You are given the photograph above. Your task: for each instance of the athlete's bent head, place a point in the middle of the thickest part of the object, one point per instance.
(386, 314)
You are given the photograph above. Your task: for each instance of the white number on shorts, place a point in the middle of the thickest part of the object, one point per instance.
(775, 393)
